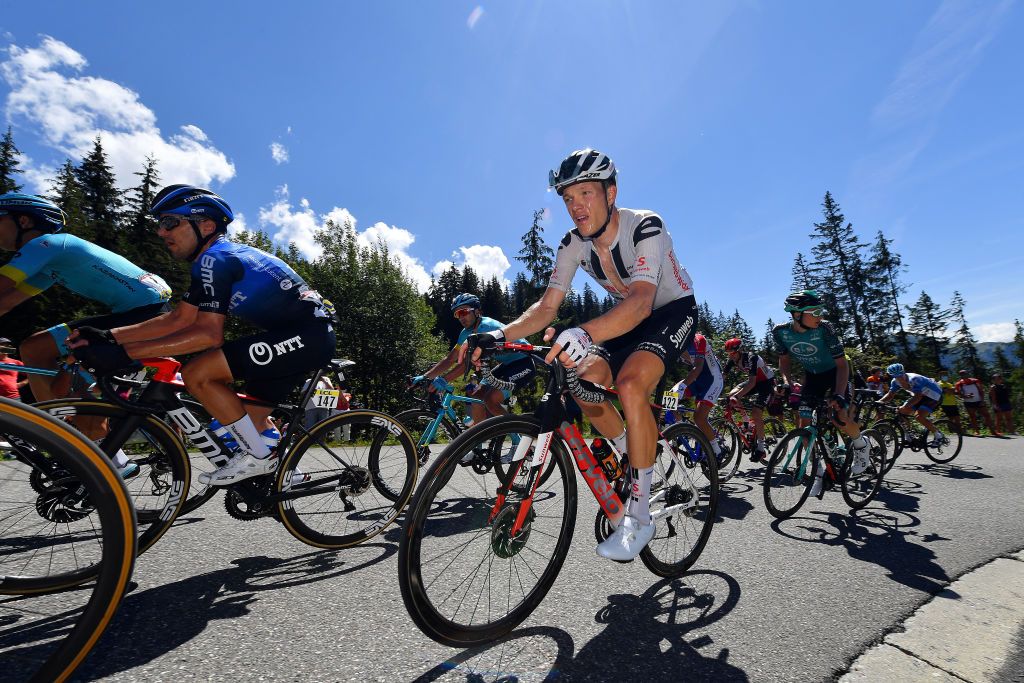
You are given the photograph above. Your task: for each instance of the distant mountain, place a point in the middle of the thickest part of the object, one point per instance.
(986, 350)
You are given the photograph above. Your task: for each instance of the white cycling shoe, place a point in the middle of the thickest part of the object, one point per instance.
(242, 466)
(627, 540)
(861, 458)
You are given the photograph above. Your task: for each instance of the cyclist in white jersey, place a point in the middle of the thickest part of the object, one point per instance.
(630, 254)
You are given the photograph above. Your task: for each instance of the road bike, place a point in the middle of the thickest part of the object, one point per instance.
(479, 551)
(794, 465)
(899, 434)
(739, 436)
(81, 521)
(323, 491)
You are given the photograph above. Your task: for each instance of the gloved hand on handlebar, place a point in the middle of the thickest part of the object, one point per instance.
(439, 383)
(841, 401)
(81, 336)
(418, 380)
(103, 359)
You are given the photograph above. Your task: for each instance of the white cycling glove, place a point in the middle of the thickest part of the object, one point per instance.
(575, 343)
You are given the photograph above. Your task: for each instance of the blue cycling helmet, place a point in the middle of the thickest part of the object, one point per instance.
(47, 216)
(895, 370)
(465, 299)
(193, 204)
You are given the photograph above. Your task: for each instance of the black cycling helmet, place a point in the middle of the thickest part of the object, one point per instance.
(806, 300)
(585, 165)
(465, 299)
(193, 204)
(46, 216)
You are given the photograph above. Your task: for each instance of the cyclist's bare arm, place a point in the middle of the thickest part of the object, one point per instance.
(842, 375)
(784, 367)
(161, 326)
(536, 317)
(444, 365)
(698, 367)
(205, 332)
(744, 388)
(10, 295)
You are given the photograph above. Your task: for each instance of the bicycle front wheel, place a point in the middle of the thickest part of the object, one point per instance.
(729, 459)
(684, 501)
(949, 444)
(466, 578)
(330, 498)
(85, 513)
(892, 439)
(790, 474)
(861, 488)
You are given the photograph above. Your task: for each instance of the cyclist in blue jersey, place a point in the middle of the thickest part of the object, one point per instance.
(925, 397)
(227, 279)
(814, 343)
(629, 252)
(513, 366)
(33, 228)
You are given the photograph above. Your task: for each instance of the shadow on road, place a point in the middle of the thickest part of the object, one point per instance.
(645, 635)
(951, 471)
(158, 620)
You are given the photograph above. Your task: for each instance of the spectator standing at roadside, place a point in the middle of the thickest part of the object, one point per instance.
(999, 394)
(11, 381)
(972, 391)
(950, 407)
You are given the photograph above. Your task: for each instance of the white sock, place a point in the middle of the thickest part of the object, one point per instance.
(639, 505)
(120, 459)
(620, 442)
(860, 441)
(248, 438)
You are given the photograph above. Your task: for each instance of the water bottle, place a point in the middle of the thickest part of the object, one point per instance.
(605, 453)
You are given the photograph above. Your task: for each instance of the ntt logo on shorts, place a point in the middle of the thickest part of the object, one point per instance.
(262, 353)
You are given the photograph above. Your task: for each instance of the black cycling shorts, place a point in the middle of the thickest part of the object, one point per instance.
(761, 392)
(274, 362)
(821, 385)
(665, 333)
(520, 372)
(951, 411)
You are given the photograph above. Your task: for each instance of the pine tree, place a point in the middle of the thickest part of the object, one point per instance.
(705, 320)
(9, 164)
(928, 322)
(767, 345)
(884, 288)
(536, 256)
(143, 247)
(590, 307)
(493, 301)
(965, 344)
(802, 278)
(838, 266)
(102, 203)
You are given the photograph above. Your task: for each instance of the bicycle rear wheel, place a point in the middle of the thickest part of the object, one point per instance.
(46, 638)
(331, 498)
(774, 431)
(892, 438)
(159, 486)
(951, 443)
(790, 474)
(729, 460)
(860, 489)
(684, 501)
(465, 579)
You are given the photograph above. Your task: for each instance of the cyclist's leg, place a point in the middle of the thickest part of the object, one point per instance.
(492, 403)
(43, 349)
(603, 416)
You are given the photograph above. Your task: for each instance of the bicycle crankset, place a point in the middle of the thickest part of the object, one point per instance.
(247, 500)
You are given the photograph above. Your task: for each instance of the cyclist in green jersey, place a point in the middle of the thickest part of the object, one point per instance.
(813, 341)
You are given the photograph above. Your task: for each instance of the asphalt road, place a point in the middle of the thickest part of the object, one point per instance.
(220, 599)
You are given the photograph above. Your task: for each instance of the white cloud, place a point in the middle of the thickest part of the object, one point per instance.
(486, 260)
(474, 17)
(238, 225)
(286, 223)
(279, 153)
(69, 110)
(994, 332)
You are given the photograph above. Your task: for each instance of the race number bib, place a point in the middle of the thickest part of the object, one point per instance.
(670, 400)
(326, 398)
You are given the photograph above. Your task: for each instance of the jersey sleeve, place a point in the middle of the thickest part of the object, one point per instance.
(25, 266)
(567, 260)
(213, 279)
(649, 241)
(832, 340)
(780, 345)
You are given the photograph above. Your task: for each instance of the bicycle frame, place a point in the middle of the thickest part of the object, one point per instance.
(829, 453)
(445, 410)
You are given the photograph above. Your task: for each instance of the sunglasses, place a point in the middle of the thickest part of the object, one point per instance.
(817, 312)
(463, 311)
(168, 223)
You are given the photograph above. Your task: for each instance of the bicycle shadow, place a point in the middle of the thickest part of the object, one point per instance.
(665, 614)
(180, 611)
(951, 471)
(877, 535)
(733, 503)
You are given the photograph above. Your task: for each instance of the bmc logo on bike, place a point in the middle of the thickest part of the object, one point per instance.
(201, 438)
(172, 503)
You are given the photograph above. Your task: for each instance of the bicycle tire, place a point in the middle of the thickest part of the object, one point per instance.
(860, 489)
(730, 464)
(892, 436)
(158, 490)
(112, 514)
(774, 431)
(674, 483)
(783, 474)
(348, 485)
(453, 506)
(953, 441)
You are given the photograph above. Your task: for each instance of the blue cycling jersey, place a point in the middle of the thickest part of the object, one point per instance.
(86, 269)
(919, 384)
(255, 286)
(489, 325)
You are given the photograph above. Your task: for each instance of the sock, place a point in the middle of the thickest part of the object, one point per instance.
(271, 437)
(222, 432)
(760, 444)
(859, 442)
(620, 442)
(640, 496)
(249, 440)
(120, 459)
(716, 447)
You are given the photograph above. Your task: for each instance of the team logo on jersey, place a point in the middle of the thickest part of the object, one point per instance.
(648, 228)
(804, 349)
(286, 284)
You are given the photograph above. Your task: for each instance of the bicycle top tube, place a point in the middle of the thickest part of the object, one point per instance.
(29, 370)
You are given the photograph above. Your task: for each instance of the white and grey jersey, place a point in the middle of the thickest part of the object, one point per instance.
(642, 252)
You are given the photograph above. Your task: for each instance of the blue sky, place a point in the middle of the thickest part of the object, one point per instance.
(433, 124)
